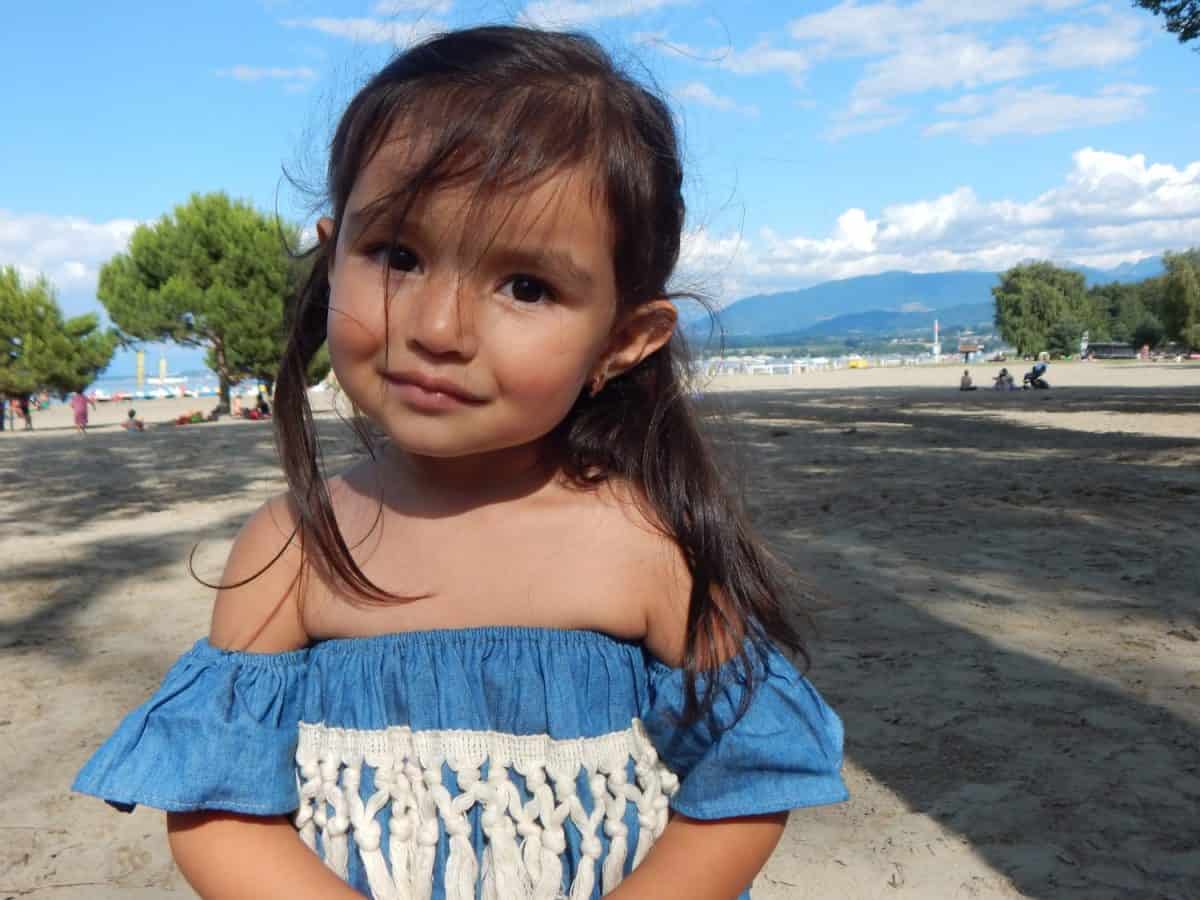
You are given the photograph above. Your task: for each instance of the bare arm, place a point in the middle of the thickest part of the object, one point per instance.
(695, 860)
(225, 856)
(229, 857)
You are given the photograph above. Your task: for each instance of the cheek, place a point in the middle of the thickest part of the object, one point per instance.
(545, 373)
(355, 325)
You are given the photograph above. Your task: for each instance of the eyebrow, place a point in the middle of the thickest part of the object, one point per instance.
(552, 258)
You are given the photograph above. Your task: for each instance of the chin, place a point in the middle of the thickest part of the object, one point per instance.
(436, 446)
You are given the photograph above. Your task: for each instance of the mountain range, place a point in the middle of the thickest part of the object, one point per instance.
(887, 303)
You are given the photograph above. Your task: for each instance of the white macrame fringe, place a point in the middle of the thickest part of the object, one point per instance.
(525, 842)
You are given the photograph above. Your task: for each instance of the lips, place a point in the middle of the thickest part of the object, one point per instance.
(433, 385)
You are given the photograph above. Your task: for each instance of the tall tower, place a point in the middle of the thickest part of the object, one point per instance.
(937, 343)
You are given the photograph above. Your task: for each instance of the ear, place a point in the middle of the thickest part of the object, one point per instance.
(642, 330)
(324, 229)
(324, 234)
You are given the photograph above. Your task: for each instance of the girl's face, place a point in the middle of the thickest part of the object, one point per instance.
(476, 331)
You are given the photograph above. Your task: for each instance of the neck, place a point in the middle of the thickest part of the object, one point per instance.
(438, 487)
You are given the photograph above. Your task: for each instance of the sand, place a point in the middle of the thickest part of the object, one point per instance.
(1005, 588)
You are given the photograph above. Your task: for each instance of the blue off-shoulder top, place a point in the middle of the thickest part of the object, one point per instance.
(498, 762)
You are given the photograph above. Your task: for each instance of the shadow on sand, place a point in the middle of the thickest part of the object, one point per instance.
(1098, 529)
(1090, 544)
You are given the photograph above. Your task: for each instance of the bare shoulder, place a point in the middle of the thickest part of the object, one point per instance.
(662, 584)
(656, 572)
(258, 604)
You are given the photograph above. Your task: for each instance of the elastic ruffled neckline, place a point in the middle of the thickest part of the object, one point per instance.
(484, 634)
(425, 639)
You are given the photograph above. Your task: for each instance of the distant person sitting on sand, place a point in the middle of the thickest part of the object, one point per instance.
(1003, 381)
(263, 407)
(79, 405)
(965, 383)
(133, 423)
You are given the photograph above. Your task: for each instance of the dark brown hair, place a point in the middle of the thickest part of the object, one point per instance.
(499, 107)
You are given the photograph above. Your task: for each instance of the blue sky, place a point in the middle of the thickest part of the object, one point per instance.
(823, 140)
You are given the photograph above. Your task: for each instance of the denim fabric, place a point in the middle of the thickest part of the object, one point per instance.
(221, 731)
(781, 751)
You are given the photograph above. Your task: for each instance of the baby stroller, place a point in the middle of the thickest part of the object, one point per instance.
(1033, 378)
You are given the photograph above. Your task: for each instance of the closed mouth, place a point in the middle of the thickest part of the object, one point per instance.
(433, 385)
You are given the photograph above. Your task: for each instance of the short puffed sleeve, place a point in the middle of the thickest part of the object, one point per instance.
(220, 733)
(782, 751)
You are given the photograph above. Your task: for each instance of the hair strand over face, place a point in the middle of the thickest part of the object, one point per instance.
(499, 108)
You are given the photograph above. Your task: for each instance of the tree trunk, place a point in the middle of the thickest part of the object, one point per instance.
(222, 377)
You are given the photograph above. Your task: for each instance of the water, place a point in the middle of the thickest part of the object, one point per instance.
(197, 383)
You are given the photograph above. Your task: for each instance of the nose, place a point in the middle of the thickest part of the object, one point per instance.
(439, 319)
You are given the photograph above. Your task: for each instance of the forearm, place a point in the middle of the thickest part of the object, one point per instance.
(230, 857)
(695, 860)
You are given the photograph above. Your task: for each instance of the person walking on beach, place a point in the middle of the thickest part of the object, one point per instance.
(25, 410)
(79, 406)
(528, 646)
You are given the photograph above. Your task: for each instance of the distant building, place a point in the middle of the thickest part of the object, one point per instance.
(1097, 350)
(969, 347)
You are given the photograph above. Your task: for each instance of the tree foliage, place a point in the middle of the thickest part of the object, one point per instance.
(1033, 299)
(1040, 306)
(214, 273)
(41, 351)
(1181, 298)
(1182, 17)
(1131, 311)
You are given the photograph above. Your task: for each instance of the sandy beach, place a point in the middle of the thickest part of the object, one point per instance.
(1005, 587)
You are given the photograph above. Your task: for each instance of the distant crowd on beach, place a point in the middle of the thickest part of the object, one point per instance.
(1034, 378)
(13, 408)
(22, 407)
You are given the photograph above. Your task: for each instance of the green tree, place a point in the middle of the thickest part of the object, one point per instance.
(320, 366)
(1116, 310)
(41, 351)
(1031, 299)
(215, 273)
(1064, 337)
(1181, 300)
(1148, 332)
(1182, 16)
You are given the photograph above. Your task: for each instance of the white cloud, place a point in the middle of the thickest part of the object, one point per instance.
(945, 61)
(396, 7)
(68, 250)
(299, 77)
(573, 13)
(1109, 209)
(1040, 110)
(1083, 46)
(764, 58)
(372, 31)
(947, 45)
(863, 116)
(699, 92)
(871, 29)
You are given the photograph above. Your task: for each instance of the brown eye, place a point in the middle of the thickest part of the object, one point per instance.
(402, 259)
(526, 289)
(397, 257)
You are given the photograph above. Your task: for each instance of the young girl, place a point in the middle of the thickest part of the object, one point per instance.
(527, 648)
